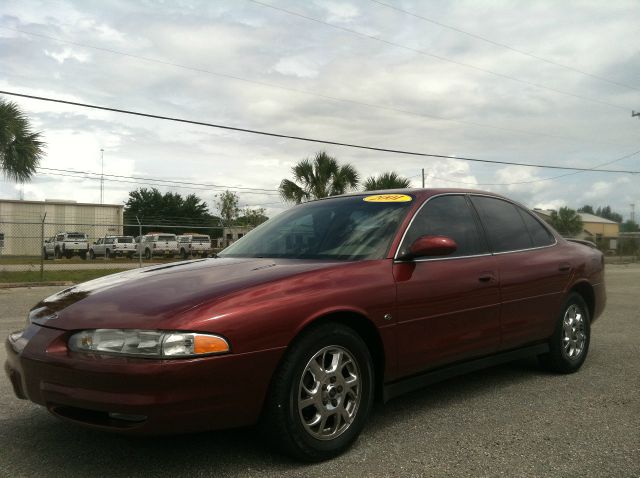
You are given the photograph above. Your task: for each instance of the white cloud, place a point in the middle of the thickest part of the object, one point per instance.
(256, 43)
(68, 53)
(297, 65)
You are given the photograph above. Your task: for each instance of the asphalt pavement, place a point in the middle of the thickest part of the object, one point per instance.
(513, 420)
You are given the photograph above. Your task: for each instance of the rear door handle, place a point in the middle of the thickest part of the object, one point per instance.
(486, 277)
(564, 267)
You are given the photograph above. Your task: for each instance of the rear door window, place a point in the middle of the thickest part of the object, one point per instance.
(448, 216)
(503, 224)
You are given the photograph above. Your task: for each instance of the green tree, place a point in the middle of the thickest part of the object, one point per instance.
(587, 209)
(629, 226)
(21, 149)
(227, 204)
(607, 213)
(390, 180)
(172, 210)
(566, 221)
(318, 178)
(252, 217)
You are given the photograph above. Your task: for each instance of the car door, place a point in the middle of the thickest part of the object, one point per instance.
(533, 272)
(448, 307)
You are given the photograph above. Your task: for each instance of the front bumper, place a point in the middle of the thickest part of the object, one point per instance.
(141, 396)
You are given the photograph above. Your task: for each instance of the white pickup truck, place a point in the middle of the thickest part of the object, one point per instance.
(158, 244)
(112, 246)
(66, 244)
(194, 244)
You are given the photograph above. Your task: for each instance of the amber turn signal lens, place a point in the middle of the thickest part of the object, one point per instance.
(209, 344)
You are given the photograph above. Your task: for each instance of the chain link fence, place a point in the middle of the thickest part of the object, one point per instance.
(34, 249)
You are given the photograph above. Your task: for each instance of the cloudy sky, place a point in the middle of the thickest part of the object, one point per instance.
(541, 82)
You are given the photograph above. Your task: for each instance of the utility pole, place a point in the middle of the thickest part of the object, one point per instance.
(101, 176)
(633, 212)
(422, 178)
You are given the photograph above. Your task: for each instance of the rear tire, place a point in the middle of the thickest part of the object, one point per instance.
(321, 394)
(45, 256)
(183, 254)
(83, 256)
(92, 255)
(569, 344)
(147, 254)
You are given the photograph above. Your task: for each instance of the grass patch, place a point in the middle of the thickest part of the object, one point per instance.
(35, 260)
(51, 276)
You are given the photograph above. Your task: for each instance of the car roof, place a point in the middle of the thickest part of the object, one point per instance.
(420, 193)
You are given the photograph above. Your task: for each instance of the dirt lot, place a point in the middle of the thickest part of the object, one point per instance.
(513, 420)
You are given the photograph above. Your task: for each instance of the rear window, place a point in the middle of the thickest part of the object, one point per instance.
(166, 238)
(76, 237)
(200, 239)
(125, 240)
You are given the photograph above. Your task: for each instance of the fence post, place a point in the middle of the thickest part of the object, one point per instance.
(139, 243)
(42, 245)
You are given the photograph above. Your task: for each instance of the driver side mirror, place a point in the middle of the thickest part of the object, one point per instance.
(428, 246)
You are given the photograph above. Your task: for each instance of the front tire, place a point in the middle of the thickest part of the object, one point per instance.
(569, 344)
(321, 394)
(45, 256)
(147, 254)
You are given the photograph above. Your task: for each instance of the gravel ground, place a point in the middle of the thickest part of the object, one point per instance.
(512, 420)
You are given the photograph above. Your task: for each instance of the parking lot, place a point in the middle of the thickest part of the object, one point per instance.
(512, 420)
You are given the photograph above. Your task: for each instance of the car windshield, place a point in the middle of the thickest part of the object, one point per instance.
(125, 240)
(344, 228)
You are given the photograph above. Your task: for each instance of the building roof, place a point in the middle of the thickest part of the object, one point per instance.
(593, 218)
(586, 217)
(58, 202)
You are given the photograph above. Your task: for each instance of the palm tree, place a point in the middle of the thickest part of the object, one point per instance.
(566, 221)
(20, 148)
(386, 181)
(318, 178)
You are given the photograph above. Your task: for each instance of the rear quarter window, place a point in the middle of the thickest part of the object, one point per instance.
(540, 235)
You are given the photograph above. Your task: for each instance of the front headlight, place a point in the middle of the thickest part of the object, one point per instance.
(147, 343)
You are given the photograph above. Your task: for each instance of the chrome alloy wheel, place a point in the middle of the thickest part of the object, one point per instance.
(574, 336)
(329, 393)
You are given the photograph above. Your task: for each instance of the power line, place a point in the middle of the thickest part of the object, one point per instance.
(594, 169)
(85, 176)
(208, 185)
(306, 92)
(438, 57)
(503, 45)
(310, 140)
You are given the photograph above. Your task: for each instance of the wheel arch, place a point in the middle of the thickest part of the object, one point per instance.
(585, 290)
(364, 327)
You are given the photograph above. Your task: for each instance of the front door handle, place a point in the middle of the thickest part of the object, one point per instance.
(564, 267)
(486, 277)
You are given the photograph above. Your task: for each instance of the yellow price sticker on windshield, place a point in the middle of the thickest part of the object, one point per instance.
(388, 198)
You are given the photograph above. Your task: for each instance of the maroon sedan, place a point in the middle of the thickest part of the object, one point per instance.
(305, 321)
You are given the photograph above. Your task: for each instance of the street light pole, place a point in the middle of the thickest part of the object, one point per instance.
(101, 176)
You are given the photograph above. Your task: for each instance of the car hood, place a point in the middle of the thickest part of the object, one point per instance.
(148, 296)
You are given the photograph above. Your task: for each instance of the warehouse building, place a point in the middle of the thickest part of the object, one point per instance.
(23, 224)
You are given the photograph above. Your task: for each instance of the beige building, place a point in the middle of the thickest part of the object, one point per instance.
(594, 228)
(22, 228)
